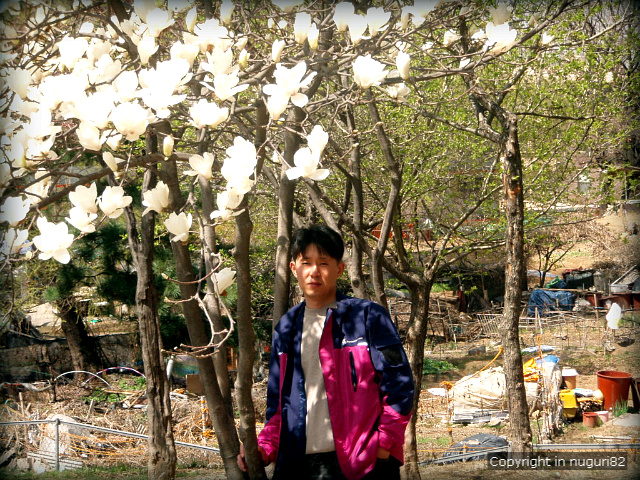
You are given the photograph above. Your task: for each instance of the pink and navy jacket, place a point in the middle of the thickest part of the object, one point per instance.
(368, 381)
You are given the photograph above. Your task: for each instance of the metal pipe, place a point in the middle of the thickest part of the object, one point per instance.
(57, 447)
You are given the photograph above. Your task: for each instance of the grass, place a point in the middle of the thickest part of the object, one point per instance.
(443, 441)
(117, 472)
(431, 366)
(92, 473)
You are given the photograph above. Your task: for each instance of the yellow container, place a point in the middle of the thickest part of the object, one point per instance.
(569, 403)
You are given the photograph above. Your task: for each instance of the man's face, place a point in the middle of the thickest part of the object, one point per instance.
(317, 274)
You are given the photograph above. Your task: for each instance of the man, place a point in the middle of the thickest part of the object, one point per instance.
(340, 389)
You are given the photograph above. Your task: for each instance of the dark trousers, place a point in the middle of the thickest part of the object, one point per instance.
(325, 466)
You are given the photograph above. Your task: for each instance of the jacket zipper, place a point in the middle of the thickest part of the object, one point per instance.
(354, 376)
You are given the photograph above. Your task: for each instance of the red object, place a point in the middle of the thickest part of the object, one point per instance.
(614, 387)
(590, 419)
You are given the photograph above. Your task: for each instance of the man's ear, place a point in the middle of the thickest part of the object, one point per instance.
(341, 266)
(292, 266)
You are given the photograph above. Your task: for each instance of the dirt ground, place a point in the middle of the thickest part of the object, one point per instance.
(578, 345)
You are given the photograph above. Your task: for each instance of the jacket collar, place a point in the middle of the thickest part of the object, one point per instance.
(340, 310)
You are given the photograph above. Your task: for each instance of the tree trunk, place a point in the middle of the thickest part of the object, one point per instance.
(514, 211)
(162, 453)
(83, 348)
(355, 263)
(212, 301)
(395, 172)
(246, 343)
(222, 419)
(416, 336)
(286, 190)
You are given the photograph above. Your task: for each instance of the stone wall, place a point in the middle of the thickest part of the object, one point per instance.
(30, 359)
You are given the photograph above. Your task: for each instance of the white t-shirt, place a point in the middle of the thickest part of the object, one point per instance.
(319, 431)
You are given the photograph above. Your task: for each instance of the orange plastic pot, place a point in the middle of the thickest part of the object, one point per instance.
(614, 387)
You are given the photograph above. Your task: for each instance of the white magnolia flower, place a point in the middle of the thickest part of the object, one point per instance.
(423, 8)
(126, 84)
(227, 202)
(41, 187)
(157, 20)
(113, 201)
(147, 47)
(226, 11)
(289, 81)
(608, 77)
(403, 62)
(167, 145)
(93, 109)
(450, 37)
(205, 114)
(85, 198)
(224, 279)
(97, 49)
(500, 14)
(106, 69)
(18, 80)
(110, 160)
(317, 139)
(276, 50)
(368, 72)
(130, 119)
(156, 199)
(186, 51)
(398, 91)
(13, 241)
(301, 27)
(238, 168)
(211, 33)
(306, 165)
(357, 26)
(219, 62)
(312, 37)
(241, 42)
(191, 18)
(14, 210)
(143, 7)
(277, 102)
(179, 226)
(287, 6)
(201, 165)
(161, 82)
(71, 49)
(341, 15)
(546, 39)
(53, 241)
(464, 62)
(243, 58)
(500, 38)
(377, 19)
(226, 86)
(82, 220)
(89, 136)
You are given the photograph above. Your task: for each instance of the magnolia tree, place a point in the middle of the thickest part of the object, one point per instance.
(178, 118)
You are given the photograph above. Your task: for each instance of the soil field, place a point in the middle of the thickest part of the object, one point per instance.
(578, 343)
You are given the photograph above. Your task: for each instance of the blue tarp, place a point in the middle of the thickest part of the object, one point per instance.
(545, 301)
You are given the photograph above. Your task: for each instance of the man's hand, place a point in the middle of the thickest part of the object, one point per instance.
(383, 454)
(242, 461)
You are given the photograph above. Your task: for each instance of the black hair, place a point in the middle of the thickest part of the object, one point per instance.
(327, 240)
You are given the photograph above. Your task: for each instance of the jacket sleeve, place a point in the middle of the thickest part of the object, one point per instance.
(396, 381)
(269, 437)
